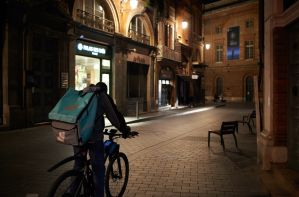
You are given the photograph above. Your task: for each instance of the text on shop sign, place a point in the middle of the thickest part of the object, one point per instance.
(93, 50)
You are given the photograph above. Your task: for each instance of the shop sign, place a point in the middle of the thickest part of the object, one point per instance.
(64, 80)
(166, 73)
(138, 58)
(92, 49)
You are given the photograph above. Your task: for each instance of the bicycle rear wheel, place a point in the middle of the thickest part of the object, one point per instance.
(71, 183)
(117, 174)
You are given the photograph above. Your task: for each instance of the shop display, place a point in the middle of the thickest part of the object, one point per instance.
(80, 77)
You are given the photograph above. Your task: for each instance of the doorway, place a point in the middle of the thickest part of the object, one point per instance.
(249, 89)
(293, 97)
(219, 86)
(44, 63)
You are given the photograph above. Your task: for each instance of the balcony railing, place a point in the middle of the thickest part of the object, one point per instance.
(196, 37)
(167, 53)
(95, 21)
(139, 37)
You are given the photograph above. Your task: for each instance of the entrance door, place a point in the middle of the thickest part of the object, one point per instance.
(249, 89)
(219, 86)
(197, 90)
(43, 65)
(293, 97)
(137, 87)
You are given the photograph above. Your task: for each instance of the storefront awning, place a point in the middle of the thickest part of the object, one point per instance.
(185, 78)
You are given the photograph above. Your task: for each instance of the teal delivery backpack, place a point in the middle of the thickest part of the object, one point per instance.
(73, 117)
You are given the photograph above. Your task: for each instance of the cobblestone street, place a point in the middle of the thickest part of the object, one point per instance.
(169, 158)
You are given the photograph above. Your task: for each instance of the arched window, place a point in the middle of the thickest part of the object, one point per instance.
(92, 7)
(249, 89)
(219, 86)
(137, 31)
(91, 13)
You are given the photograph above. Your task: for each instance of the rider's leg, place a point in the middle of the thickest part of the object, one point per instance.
(78, 165)
(96, 153)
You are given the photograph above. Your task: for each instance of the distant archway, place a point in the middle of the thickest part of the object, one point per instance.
(249, 89)
(219, 86)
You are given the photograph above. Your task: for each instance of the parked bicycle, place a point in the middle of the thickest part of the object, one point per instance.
(81, 182)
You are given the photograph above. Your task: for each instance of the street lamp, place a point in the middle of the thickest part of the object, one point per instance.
(207, 46)
(184, 24)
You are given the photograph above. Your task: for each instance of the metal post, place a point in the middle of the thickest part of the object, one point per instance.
(137, 110)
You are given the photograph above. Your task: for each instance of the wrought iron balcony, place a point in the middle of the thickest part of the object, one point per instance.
(139, 37)
(167, 53)
(196, 37)
(95, 21)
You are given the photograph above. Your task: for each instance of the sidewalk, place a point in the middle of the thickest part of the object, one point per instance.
(171, 112)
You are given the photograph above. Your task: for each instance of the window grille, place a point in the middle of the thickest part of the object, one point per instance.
(248, 24)
(249, 49)
(219, 53)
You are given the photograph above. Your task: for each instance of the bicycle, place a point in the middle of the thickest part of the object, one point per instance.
(81, 182)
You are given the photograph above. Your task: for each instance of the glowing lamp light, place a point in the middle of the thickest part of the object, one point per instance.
(207, 46)
(185, 24)
(133, 3)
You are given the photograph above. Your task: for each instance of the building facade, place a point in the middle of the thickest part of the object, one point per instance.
(179, 49)
(278, 138)
(50, 46)
(231, 36)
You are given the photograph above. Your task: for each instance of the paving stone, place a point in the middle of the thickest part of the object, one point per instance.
(169, 158)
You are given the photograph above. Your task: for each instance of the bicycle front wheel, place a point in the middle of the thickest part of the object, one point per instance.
(117, 174)
(71, 183)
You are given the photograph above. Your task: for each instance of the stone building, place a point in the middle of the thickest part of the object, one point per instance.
(231, 30)
(179, 47)
(49, 46)
(277, 139)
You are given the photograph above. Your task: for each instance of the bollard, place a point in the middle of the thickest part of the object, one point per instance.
(137, 110)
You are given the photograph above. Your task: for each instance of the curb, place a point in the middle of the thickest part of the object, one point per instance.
(163, 116)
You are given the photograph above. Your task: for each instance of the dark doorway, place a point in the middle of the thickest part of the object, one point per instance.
(44, 57)
(249, 89)
(219, 86)
(293, 97)
(183, 91)
(197, 90)
(137, 87)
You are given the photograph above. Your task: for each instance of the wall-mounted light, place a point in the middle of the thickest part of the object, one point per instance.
(184, 24)
(207, 46)
(133, 4)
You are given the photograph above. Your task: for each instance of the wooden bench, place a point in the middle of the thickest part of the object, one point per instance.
(246, 122)
(226, 128)
(253, 115)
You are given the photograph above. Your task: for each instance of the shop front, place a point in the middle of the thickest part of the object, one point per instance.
(93, 65)
(137, 82)
(165, 87)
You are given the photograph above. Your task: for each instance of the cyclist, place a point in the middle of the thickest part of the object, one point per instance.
(95, 144)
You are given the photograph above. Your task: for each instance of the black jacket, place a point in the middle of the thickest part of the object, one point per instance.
(107, 106)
